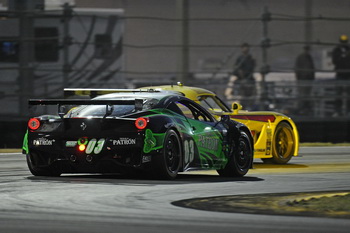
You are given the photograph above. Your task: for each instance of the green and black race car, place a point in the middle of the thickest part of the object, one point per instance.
(157, 131)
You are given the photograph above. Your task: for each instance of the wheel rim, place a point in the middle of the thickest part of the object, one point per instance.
(172, 154)
(284, 142)
(243, 155)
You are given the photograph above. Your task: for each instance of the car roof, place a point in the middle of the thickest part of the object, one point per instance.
(137, 94)
(191, 92)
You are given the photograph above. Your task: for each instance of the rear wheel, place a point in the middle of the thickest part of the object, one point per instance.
(283, 144)
(33, 161)
(241, 159)
(167, 164)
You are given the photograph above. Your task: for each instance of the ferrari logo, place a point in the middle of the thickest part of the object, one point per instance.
(83, 126)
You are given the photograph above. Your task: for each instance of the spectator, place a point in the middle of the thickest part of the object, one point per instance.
(243, 70)
(341, 58)
(341, 61)
(305, 73)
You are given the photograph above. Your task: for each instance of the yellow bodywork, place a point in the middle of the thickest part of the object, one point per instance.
(262, 124)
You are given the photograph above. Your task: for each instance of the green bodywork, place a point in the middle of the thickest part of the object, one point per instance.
(153, 141)
(25, 143)
(202, 141)
(210, 144)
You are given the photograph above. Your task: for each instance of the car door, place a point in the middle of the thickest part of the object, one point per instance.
(205, 150)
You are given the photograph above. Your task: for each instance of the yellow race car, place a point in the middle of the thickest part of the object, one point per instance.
(276, 137)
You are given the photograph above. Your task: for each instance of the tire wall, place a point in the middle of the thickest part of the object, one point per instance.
(12, 133)
(324, 131)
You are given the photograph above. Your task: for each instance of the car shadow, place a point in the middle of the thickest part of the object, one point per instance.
(275, 166)
(140, 179)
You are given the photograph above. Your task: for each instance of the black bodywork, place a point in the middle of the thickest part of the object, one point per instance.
(171, 142)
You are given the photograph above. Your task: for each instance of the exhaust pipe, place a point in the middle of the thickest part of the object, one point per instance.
(73, 158)
(89, 158)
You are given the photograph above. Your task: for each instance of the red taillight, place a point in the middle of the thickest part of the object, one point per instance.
(33, 124)
(141, 123)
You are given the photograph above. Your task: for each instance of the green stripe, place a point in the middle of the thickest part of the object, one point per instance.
(25, 143)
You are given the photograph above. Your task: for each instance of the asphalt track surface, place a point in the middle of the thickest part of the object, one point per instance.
(96, 203)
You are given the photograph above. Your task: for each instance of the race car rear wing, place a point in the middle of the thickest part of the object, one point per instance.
(109, 103)
(81, 102)
(94, 92)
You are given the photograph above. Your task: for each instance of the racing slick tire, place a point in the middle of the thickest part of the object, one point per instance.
(168, 163)
(33, 160)
(241, 159)
(282, 144)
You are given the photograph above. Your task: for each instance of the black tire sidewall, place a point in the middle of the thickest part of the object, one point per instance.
(40, 171)
(160, 166)
(232, 168)
(241, 171)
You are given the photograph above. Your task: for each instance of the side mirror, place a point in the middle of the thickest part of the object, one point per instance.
(225, 118)
(236, 107)
(61, 110)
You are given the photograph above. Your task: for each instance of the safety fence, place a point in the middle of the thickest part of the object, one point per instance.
(320, 98)
(302, 99)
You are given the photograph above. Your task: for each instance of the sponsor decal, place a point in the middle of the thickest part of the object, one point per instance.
(146, 159)
(268, 140)
(71, 143)
(152, 141)
(124, 141)
(208, 143)
(43, 142)
(259, 150)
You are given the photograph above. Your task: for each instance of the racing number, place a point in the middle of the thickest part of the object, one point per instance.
(95, 146)
(189, 151)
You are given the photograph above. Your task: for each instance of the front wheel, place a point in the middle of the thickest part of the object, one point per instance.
(241, 159)
(167, 164)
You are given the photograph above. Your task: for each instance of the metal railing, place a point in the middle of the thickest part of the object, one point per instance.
(317, 99)
(323, 98)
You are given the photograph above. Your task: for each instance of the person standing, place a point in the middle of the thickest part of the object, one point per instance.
(244, 70)
(305, 74)
(341, 61)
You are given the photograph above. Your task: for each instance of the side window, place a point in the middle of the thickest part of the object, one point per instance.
(185, 110)
(212, 103)
(175, 108)
(192, 112)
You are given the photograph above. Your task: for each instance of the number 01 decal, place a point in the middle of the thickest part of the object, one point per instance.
(95, 146)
